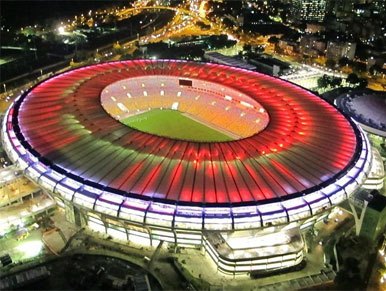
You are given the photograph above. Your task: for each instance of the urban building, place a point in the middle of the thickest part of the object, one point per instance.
(340, 49)
(287, 46)
(309, 10)
(312, 46)
(315, 28)
(379, 5)
(22, 202)
(342, 9)
(268, 65)
(229, 61)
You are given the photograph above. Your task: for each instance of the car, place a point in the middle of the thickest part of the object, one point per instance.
(22, 234)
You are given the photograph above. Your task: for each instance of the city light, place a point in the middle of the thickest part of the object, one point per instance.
(30, 249)
(61, 30)
(284, 188)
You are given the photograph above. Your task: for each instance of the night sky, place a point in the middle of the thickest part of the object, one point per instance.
(17, 13)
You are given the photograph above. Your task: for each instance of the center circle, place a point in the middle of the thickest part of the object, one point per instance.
(184, 108)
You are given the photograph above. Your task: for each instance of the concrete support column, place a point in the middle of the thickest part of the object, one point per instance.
(358, 217)
(69, 212)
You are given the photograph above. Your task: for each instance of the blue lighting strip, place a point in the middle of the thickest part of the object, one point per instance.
(187, 217)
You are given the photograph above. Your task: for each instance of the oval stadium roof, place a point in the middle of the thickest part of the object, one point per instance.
(307, 143)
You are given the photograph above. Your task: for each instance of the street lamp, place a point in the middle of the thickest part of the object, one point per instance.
(5, 88)
(61, 29)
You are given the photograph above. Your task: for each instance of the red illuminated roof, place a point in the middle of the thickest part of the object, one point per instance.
(306, 142)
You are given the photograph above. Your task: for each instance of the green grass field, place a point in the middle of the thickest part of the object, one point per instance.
(173, 124)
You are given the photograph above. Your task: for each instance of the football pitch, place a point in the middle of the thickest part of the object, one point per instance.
(174, 124)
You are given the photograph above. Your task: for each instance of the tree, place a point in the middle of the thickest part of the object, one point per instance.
(326, 81)
(352, 79)
(247, 47)
(335, 81)
(349, 277)
(375, 69)
(218, 41)
(323, 81)
(81, 55)
(363, 83)
(273, 40)
(50, 37)
(127, 57)
(330, 63)
(202, 25)
(343, 61)
(259, 49)
(359, 67)
(117, 48)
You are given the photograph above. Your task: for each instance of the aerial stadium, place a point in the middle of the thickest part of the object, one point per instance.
(368, 109)
(231, 161)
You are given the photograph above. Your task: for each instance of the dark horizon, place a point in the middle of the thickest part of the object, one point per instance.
(19, 13)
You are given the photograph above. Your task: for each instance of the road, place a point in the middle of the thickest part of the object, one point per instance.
(23, 250)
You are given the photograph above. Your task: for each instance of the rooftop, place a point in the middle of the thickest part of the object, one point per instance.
(306, 144)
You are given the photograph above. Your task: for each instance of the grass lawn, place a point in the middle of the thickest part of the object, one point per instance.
(173, 124)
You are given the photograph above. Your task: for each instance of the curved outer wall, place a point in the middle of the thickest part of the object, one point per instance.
(144, 210)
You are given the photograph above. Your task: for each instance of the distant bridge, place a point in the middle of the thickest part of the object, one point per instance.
(17, 48)
(176, 9)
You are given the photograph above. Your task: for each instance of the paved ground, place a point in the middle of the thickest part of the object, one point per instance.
(197, 266)
(88, 272)
(196, 261)
(23, 250)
